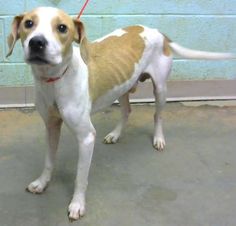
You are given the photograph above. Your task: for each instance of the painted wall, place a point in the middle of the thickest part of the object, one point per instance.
(207, 25)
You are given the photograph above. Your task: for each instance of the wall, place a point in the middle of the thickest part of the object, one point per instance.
(207, 25)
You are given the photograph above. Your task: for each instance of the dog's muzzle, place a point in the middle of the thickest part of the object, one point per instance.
(37, 48)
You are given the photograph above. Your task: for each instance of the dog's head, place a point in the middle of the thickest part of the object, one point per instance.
(46, 34)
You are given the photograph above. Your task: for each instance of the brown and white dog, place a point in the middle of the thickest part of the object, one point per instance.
(73, 82)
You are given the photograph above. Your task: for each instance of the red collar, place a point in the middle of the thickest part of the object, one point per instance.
(49, 80)
(53, 79)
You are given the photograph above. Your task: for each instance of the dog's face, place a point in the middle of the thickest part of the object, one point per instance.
(46, 34)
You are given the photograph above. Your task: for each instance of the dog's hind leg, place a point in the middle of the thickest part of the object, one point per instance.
(113, 136)
(159, 72)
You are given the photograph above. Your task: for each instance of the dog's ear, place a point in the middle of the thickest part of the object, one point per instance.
(82, 40)
(79, 31)
(14, 35)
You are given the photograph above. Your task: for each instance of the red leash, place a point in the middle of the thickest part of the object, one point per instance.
(83, 8)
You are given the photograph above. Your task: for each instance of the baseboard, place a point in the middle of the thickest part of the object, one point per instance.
(15, 97)
(189, 91)
(177, 91)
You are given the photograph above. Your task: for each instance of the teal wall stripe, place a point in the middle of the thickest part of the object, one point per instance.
(19, 74)
(1, 40)
(207, 25)
(118, 7)
(15, 74)
(203, 70)
(11, 7)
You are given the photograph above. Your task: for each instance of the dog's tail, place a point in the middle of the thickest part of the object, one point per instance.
(196, 54)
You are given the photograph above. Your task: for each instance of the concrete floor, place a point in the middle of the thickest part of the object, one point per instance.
(191, 183)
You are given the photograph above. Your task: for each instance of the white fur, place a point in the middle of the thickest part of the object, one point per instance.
(196, 54)
(89, 139)
(118, 33)
(68, 99)
(53, 52)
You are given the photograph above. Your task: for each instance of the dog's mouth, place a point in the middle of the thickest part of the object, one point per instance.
(37, 60)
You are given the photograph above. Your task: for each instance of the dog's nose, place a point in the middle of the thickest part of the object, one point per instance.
(37, 44)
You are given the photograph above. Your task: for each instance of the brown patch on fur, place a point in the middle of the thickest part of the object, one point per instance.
(111, 62)
(166, 46)
(80, 31)
(14, 35)
(24, 32)
(19, 30)
(64, 38)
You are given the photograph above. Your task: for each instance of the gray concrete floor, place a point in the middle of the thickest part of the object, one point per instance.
(193, 182)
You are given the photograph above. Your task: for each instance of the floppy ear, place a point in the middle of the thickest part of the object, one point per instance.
(79, 31)
(14, 35)
(80, 38)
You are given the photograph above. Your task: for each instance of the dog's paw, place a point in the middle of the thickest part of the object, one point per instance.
(111, 138)
(76, 210)
(36, 187)
(159, 143)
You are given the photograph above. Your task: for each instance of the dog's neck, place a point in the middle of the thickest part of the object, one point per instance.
(51, 73)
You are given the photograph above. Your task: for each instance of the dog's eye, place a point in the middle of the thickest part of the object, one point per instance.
(62, 28)
(29, 24)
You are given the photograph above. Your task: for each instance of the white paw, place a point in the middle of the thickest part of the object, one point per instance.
(159, 143)
(76, 210)
(37, 187)
(111, 138)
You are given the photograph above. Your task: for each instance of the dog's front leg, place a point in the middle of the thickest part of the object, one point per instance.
(53, 128)
(77, 206)
(85, 134)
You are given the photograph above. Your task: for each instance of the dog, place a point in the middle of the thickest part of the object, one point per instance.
(74, 81)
